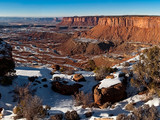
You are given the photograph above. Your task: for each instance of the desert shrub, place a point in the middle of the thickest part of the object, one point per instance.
(91, 65)
(142, 113)
(45, 85)
(32, 79)
(44, 79)
(22, 92)
(57, 78)
(88, 114)
(73, 115)
(125, 70)
(126, 64)
(147, 70)
(62, 69)
(82, 99)
(102, 72)
(29, 106)
(121, 117)
(56, 117)
(106, 105)
(122, 74)
(130, 106)
(69, 72)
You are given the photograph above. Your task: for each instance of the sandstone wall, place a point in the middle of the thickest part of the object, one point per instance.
(144, 29)
(141, 22)
(80, 21)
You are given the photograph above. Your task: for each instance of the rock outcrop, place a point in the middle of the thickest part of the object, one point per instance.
(80, 21)
(6, 62)
(112, 94)
(85, 46)
(127, 28)
(64, 89)
(78, 78)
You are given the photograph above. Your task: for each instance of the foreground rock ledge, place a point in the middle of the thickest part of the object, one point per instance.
(6, 62)
(111, 94)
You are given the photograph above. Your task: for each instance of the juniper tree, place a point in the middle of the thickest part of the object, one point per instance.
(147, 70)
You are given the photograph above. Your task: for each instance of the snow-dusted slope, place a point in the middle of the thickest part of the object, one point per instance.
(61, 103)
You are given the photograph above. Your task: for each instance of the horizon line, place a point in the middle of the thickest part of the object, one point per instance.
(141, 15)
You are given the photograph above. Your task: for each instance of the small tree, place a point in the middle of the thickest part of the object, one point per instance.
(102, 72)
(91, 65)
(147, 70)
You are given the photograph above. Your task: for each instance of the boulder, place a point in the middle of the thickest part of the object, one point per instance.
(55, 67)
(109, 76)
(6, 62)
(56, 117)
(111, 94)
(78, 78)
(62, 88)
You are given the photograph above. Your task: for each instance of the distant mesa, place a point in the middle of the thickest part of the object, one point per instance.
(80, 21)
(144, 29)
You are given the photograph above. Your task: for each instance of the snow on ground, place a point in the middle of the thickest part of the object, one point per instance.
(61, 103)
(110, 82)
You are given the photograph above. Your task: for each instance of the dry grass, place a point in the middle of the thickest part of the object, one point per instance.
(130, 106)
(82, 99)
(29, 106)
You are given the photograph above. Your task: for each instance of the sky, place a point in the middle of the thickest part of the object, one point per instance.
(62, 8)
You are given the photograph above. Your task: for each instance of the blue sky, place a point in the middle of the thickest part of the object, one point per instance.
(59, 8)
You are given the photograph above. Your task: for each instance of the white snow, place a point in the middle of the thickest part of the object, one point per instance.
(155, 102)
(108, 82)
(28, 73)
(61, 103)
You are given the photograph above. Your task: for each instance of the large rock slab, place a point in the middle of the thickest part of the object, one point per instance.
(64, 89)
(111, 94)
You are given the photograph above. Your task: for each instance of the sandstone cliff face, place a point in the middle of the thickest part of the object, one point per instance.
(140, 22)
(79, 21)
(131, 28)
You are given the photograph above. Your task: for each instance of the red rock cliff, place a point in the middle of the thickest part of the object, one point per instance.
(80, 21)
(131, 28)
